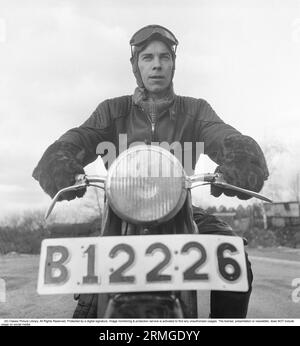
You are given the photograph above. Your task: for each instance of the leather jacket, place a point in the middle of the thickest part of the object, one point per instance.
(187, 120)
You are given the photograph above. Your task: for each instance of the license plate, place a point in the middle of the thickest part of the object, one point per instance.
(142, 263)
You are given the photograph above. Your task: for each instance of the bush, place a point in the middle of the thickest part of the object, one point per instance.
(287, 236)
(58, 230)
(16, 240)
(25, 235)
(260, 237)
(284, 236)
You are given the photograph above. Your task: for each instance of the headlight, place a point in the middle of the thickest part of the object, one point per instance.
(146, 184)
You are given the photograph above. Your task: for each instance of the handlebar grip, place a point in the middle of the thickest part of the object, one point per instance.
(213, 177)
(79, 178)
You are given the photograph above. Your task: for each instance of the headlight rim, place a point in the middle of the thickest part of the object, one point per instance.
(165, 217)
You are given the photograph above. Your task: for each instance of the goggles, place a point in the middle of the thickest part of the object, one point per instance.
(148, 31)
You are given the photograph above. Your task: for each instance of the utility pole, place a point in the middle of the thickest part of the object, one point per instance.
(264, 215)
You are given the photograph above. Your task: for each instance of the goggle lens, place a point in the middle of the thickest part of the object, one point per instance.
(145, 33)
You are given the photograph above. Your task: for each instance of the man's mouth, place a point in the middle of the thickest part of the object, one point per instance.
(157, 77)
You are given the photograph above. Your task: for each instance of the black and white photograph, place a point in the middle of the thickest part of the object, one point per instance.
(149, 162)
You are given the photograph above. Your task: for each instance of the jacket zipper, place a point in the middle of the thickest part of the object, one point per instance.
(152, 122)
(153, 126)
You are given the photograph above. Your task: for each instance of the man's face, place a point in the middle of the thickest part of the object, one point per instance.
(155, 64)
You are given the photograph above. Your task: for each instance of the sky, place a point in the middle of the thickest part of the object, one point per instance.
(60, 59)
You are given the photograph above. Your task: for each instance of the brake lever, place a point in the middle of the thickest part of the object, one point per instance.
(76, 186)
(220, 182)
(81, 181)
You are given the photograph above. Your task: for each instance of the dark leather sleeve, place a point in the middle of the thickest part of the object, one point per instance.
(58, 167)
(67, 156)
(239, 157)
(212, 131)
(96, 129)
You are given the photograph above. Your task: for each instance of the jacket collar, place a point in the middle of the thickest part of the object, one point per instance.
(173, 110)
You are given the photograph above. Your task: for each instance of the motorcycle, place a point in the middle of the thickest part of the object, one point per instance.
(150, 260)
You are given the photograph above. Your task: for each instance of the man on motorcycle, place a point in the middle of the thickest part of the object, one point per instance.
(154, 113)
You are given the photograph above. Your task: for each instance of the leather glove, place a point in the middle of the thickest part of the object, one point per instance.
(57, 169)
(244, 166)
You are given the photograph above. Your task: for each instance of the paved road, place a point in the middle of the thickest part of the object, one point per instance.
(22, 301)
(272, 288)
(274, 272)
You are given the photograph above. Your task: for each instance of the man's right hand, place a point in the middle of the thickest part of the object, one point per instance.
(57, 169)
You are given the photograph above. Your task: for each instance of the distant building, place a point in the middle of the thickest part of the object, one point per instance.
(282, 214)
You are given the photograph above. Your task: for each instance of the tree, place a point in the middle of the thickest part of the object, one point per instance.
(222, 209)
(241, 212)
(211, 210)
(294, 187)
(274, 152)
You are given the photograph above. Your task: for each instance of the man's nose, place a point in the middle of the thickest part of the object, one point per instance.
(156, 63)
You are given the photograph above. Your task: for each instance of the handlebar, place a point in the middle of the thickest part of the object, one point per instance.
(83, 181)
(87, 179)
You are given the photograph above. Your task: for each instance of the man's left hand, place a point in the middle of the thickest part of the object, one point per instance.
(244, 166)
